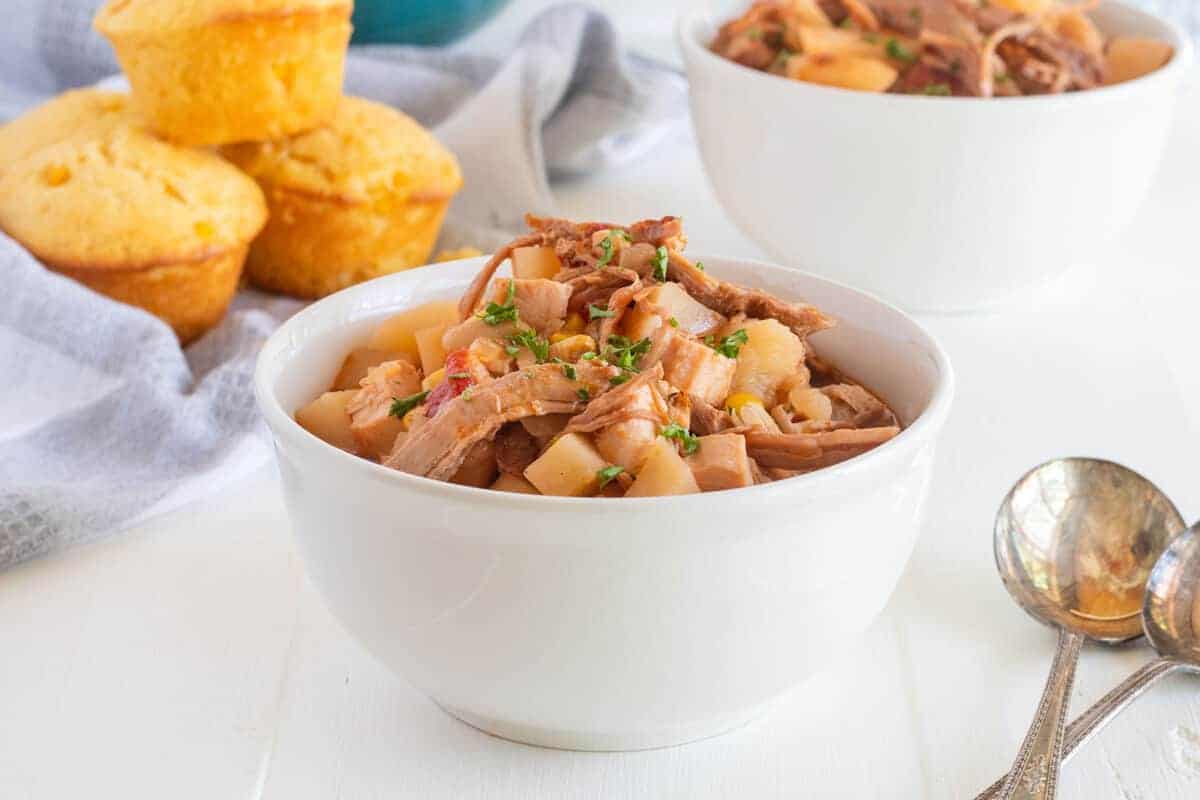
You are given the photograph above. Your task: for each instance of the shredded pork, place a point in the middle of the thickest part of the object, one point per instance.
(619, 343)
(965, 48)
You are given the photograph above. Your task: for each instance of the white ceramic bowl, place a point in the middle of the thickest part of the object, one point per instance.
(933, 203)
(605, 624)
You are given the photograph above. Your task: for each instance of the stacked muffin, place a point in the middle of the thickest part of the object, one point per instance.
(109, 189)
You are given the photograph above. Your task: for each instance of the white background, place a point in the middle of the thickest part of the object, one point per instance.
(190, 659)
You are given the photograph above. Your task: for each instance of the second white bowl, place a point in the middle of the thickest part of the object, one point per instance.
(934, 203)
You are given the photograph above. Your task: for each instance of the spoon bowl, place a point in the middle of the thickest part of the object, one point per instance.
(1076, 540)
(1171, 615)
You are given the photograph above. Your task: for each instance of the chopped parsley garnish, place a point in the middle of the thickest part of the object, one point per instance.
(496, 313)
(569, 371)
(620, 352)
(754, 33)
(674, 323)
(687, 442)
(659, 262)
(700, 266)
(617, 380)
(729, 346)
(606, 251)
(583, 394)
(511, 349)
(403, 405)
(468, 393)
(870, 38)
(915, 13)
(596, 312)
(845, 23)
(623, 234)
(457, 375)
(608, 474)
(937, 90)
(956, 66)
(536, 344)
(588, 356)
(1001, 77)
(899, 52)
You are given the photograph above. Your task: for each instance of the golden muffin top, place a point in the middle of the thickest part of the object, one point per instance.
(126, 200)
(366, 151)
(150, 16)
(75, 114)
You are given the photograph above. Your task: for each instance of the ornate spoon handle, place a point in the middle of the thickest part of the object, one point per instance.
(1090, 722)
(1034, 775)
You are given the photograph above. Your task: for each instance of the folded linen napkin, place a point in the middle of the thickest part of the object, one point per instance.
(105, 421)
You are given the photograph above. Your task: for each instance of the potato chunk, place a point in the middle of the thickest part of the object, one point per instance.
(464, 333)
(844, 42)
(663, 472)
(429, 347)
(535, 262)
(810, 14)
(861, 73)
(361, 359)
(1130, 57)
(327, 418)
(399, 332)
(771, 355)
(568, 468)
(721, 462)
(514, 483)
(670, 301)
(1076, 26)
(541, 303)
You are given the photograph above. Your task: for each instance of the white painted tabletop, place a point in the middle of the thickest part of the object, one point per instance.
(189, 658)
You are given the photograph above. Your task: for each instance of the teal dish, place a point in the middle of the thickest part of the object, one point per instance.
(422, 22)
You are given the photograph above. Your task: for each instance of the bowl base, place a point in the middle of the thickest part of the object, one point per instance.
(609, 741)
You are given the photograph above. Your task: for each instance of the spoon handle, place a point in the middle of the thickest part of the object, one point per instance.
(1087, 724)
(1034, 775)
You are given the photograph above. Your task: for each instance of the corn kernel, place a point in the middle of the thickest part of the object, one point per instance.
(56, 174)
(204, 229)
(570, 348)
(575, 323)
(408, 418)
(555, 338)
(433, 379)
(738, 399)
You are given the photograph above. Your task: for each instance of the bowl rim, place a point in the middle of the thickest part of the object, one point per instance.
(289, 336)
(690, 27)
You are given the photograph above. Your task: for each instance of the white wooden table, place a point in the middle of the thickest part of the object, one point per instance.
(189, 658)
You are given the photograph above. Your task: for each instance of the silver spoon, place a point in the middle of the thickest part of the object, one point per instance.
(1075, 541)
(1171, 619)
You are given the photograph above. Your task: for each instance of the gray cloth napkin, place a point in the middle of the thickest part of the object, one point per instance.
(105, 421)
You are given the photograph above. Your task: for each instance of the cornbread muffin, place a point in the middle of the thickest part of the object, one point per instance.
(360, 197)
(76, 114)
(208, 72)
(139, 220)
